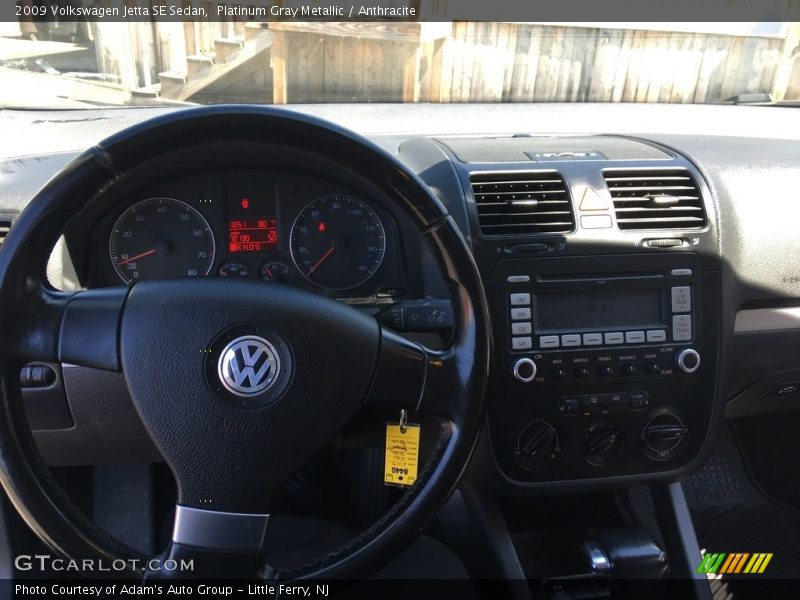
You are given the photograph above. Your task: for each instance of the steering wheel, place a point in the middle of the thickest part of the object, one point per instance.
(177, 341)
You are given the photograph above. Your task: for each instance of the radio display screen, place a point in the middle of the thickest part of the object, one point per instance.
(583, 311)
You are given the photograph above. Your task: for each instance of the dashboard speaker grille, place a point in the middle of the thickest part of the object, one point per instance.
(655, 198)
(526, 203)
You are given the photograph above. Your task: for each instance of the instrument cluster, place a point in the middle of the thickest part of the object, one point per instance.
(285, 227)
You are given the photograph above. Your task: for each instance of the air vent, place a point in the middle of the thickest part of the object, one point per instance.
(522, 203)
(655, 199)
(5, 227)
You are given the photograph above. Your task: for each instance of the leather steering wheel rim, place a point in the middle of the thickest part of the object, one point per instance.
(454, 381)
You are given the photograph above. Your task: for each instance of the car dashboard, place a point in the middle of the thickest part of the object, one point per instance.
(274, 226)
(625, 270)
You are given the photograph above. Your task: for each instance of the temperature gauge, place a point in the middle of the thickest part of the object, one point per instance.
(274, 269)
(234, 268)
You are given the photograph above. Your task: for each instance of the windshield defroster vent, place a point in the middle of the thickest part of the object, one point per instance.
(522, 203)
(655, 199)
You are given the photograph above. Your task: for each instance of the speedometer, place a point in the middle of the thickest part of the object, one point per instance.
(338, 242)
(161, 237)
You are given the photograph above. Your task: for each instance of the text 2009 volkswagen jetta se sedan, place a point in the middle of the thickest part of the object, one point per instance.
(305, 308)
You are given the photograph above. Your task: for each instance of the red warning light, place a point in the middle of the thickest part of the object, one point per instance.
(245, 203)
(322, 227)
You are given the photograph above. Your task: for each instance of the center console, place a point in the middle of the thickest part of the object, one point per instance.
(601, 264)
(601, 364)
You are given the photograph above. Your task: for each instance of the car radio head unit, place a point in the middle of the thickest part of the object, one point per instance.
(598, 361)
(638, 304)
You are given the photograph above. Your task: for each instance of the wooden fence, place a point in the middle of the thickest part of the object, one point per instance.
(513, 62)
(463, 62)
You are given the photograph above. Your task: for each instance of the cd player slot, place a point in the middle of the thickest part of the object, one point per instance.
(560, 278)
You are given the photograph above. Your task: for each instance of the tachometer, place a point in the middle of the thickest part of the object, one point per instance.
(338, 242)
(161, 237)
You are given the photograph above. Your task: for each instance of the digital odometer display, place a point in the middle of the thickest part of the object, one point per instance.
(338, 242)
(252, 234)
(583, 311)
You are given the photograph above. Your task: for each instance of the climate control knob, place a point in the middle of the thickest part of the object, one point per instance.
(524, 370)
(687, 360)
(664, 434)
(539, 445)
(602, 443)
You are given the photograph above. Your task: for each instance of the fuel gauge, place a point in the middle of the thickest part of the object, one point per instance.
(275, 269)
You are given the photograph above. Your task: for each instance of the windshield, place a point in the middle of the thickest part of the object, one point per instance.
(68, 64)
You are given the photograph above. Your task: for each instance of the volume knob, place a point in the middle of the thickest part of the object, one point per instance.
(524, 370)
(688, 360)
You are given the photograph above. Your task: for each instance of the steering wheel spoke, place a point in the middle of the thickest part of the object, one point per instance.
(413, 377)
(400, 374)
(80, 328)
(218, 530)
(89, 330)
(213, 545)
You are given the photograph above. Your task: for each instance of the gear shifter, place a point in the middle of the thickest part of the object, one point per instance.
(626, 553)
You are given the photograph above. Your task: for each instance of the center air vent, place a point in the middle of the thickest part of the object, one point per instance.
(522, 203)
(655, 199)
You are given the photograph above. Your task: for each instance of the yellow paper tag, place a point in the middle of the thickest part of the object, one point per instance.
(402, 454)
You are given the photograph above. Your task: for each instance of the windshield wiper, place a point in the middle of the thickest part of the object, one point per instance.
(759, 99)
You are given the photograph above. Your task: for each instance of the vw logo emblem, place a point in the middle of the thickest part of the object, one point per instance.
(248, 366)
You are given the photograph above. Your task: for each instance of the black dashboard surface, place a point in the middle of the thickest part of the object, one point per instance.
(751, 169)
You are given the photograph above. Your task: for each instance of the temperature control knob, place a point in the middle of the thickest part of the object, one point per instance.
(664, 434)
(687, 360)
(539, 445)
(602, 443)
(524, 370)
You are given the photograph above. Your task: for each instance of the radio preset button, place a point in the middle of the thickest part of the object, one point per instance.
(656, 335)
(521, 343)
(592, 339)
(681, 328)
(634, 337)
(582, 372)
(522, 299)
(549, 341)
(571, 340)
(681, 299)
(614, 338)
(520, 314)
(518, 279)
(521, 328)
